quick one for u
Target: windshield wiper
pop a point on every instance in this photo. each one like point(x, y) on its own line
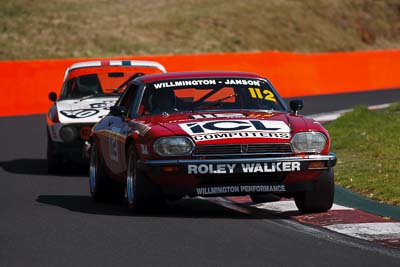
point(214, 103)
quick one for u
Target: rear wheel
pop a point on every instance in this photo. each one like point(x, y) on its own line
point(142, 194)
point(320, 199)
point(102, 188)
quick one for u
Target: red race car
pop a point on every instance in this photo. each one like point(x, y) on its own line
point(209, 134)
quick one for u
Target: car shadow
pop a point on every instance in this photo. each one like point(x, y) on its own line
point(39, 167)
point(185, 208)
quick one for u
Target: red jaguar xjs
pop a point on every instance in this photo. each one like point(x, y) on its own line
point(208, 134)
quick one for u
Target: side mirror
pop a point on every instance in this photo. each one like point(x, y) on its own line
point(296, 105)
point(52, 96)
point(117, 110)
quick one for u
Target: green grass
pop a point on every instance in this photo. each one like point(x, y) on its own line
point(367, 144)
point(31, 29)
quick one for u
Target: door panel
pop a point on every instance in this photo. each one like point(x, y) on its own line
point(116, 143)
point(102, 134)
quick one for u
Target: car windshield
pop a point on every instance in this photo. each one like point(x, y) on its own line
point(87, 82)
point(209, 94)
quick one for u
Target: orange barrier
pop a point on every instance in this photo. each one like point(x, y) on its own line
point(25, 85)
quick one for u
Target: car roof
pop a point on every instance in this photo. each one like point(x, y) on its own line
point(127, 63)
point(194, 74)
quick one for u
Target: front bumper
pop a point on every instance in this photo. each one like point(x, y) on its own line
point(215, 166)
point(236, 176)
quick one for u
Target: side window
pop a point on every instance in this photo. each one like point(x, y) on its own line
point(128, 98)
point(68, 88)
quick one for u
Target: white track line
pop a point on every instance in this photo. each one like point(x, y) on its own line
point(331, 116)
point(289, 205)
point(369, 231)
point(328, 116)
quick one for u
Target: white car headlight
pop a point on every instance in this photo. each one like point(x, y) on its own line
point(173, 146)
point(68, 133)
point(309, 142)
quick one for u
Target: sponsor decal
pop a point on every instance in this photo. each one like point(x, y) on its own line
point(79, 113)
point(286, 166)
point(216, 136)
point(266, 167)
point(216, 190)
point(106, 104)
point(210, 168)
point(218, 115)
point(262, 94)
point(93, 109)
point(183, 83)
point(263, 115)
point(230, 115)
point(213, 130)
point(197, 82)
point(113, 143)
point(243, 82)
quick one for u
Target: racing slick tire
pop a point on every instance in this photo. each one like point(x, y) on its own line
point(54, 161)
point(102, 187)
point(320, 199)
point(265, 198)
point(142, 194)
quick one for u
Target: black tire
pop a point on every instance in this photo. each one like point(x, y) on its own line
point(320, 199)
point(265, 198)
point(102, 188)
point(54, 161)
point(142, 194)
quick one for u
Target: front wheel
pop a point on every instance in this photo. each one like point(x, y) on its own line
point(142, 194)
point(102, 188)
point(320, 199)
point(54, 161)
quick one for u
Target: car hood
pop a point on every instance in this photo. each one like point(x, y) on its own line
point(234, 127)
point(89, 110)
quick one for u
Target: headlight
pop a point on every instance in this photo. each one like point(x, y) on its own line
point(68, 133)
point(309, 142)
point(173, 146)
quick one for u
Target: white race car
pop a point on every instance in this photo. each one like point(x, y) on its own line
point(88, 92)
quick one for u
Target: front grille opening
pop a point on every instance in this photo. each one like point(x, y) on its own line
point(243, 149)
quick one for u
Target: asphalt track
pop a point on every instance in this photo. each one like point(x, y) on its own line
point(50, 220)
